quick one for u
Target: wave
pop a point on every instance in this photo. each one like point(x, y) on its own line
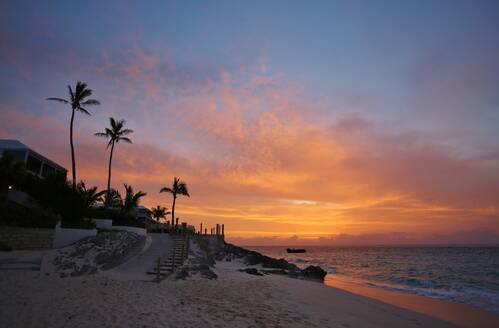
point(485, 300)
point(464, 274)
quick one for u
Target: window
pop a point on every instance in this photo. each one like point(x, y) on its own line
point(47, 170)
point(33, 164)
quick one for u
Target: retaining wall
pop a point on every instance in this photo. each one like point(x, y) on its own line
point(64, 237)
point(27, 238)
point(138, 231)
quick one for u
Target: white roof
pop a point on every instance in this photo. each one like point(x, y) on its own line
point(12, 144)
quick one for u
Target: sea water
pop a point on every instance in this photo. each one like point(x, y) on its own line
point(463, 274)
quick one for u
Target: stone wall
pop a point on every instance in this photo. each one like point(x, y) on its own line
point(27, 238)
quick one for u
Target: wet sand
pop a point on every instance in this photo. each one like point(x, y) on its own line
point(458, 313)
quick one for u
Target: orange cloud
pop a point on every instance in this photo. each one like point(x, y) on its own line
point(261, 158)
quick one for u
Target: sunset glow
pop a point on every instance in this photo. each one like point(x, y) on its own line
point(380, 137)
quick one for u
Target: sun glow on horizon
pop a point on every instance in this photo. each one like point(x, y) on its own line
point(276, 133)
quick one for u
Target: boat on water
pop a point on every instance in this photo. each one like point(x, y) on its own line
point(296, 250)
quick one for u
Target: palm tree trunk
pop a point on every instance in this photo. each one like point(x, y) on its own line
point(109, 175)
point(73, 161)
point(173, 210)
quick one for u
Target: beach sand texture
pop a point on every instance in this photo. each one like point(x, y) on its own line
point(235, 299)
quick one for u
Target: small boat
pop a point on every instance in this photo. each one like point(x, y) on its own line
point(296, 250)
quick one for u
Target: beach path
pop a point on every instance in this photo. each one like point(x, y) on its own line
point(157, 245)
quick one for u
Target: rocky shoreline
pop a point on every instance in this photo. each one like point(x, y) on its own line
point(271, 265)
point(204, 255)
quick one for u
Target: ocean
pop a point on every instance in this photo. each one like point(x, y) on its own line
point(462, 274)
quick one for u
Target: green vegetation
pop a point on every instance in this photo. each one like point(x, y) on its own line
point(159, 213)
point(77, 100)
point(4, 247)
point(131, 199)
point(178, 188)
point(12, 214)
point(45, 201)
point(115, 134)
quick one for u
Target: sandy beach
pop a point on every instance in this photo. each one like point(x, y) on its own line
point(235, 299)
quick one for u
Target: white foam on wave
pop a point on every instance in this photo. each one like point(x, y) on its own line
point(481, 299)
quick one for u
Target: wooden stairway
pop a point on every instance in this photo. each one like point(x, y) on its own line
point(167, 264)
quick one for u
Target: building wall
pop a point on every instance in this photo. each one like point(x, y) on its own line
point(27, 238)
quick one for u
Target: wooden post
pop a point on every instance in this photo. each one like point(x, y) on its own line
point(205, 231)
point(223, 230)
point(201, 228)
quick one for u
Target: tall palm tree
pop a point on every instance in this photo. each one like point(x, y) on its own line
point(78, 99)
point(178, 188)
point(115, 134)
point(90, 196)
point(132, 199)
point(159, 212)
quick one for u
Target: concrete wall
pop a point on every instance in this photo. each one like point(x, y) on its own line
point(103, 224)
point(138, 231)
point(64, 237)
point(27, 238)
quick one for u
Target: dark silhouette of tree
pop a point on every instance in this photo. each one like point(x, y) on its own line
point(131, 199)
point(113, 198)
point(159, 212)
point(78, 101)
point(114, 134)
point(12, 174)
point(178, 188)
point(90, 196)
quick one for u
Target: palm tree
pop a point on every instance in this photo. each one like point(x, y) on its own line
point(115, 134)
point(178, 188)
point(159, 212)
point(77, 99)
point(132, 199)
point(90, 196)
point(113, 198)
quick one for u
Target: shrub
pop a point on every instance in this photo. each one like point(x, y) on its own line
point(4, 247)
point(119, 217)
point(12, 214)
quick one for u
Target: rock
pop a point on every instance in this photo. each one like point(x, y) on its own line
point(272, 263)
point(252, 271)
point(313, 272)
point(280, 266)
point(209, 274)
point(254, 258)
point(93, 254)
point(182, 274)
point(276, 271)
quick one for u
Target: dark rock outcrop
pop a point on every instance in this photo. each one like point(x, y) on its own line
point(279, 266)
point(314, 272)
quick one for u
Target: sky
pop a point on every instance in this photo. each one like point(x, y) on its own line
point(292, 122)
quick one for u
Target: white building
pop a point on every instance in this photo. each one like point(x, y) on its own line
point(33, 161)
